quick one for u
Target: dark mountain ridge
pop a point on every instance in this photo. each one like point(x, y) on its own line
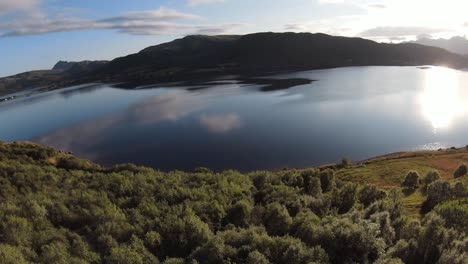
point(258, 53)
point(199, 57)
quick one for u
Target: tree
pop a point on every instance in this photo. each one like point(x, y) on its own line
point(277, 219)
point(11, 255)
point(239, 214)
point(256, 257)
point(369, 194)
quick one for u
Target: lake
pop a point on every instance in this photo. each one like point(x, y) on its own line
point(357, 112)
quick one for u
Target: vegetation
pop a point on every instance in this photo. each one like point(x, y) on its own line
point(55, 208)
point(461, 171)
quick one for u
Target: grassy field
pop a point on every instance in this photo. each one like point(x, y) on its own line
point(389, 170)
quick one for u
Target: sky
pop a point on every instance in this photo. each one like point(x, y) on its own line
point(35, 34)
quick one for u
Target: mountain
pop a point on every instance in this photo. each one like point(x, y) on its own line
point(456, 44)
point(201, 56)
point(61, 74)
point(198, 57)
point(80, 66)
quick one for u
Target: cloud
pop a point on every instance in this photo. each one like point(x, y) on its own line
point(7, 6)
point(202, 2)
point(220, 123)
point(399, 31)
point(378, 6)
point(150, 22)
point(327, 2)
point(161, 14)
point(327, 26)
point(466, 24)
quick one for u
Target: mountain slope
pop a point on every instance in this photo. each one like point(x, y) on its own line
point(456, 44)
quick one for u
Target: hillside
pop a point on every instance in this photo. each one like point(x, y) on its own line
point(56, 208)
point(455, 44)
point(200, 57)
point(62, 74)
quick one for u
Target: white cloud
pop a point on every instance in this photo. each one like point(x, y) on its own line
point(400, 31)
point(7, 6)
point(202, 2)
point(150, 22)
point(378, 6)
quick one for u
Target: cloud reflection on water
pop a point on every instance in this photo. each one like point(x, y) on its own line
point(220, 123)
point(171, 106)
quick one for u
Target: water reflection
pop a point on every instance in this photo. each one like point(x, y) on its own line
point(356, 112)
point(220, 123)
point(441, 100)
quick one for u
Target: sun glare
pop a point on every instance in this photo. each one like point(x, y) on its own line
point(441, 100)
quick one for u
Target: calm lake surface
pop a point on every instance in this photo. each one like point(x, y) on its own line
point(358, 112)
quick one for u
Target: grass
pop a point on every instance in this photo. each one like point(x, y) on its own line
point(389, 171)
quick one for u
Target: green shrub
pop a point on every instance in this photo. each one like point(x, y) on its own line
point(460, 171)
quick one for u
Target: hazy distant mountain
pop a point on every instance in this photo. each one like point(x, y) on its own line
point(197, 57)
point(456, 44)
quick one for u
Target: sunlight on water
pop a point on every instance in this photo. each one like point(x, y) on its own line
point(441, 100)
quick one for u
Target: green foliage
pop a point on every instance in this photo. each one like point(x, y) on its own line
point(430, 177)
point(343, 199)
point(369, 194)
point(455, 214)
point(55, 208)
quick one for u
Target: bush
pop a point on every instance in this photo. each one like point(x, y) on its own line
point(430, 177)
point(460, 171)
point(411, 180)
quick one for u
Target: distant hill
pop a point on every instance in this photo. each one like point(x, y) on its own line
point(198, 57)
point(456, 44)
point(62, 73)
point(78, 66)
